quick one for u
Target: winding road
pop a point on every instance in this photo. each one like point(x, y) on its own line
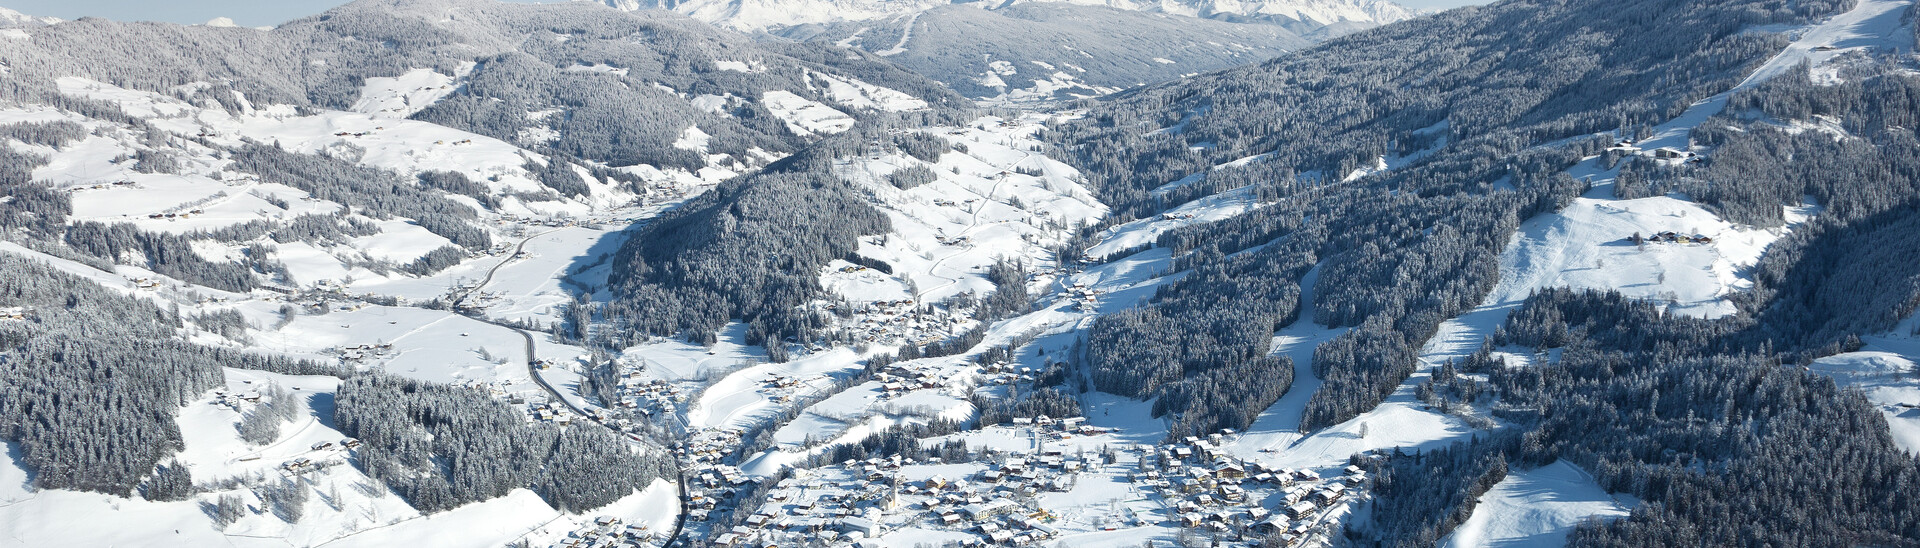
point(533, 372)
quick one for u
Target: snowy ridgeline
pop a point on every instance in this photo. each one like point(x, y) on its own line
point(761, 16)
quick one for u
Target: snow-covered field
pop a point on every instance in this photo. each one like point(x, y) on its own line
point(1144, 232)
point(1402, 420)
point(1886, 372)
point(805, 116)
point(1586, 246)
point(346, 507)
point(996, 200)
point(1537, 508)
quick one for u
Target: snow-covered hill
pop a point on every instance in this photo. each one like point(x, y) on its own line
point(401, 209)
point(1048, 49)
point(1044, 51)
point(766, 14)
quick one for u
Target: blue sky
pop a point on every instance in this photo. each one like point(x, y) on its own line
point(255, 13)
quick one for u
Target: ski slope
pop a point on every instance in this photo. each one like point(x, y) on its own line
point(1204, 210)
point(1537, 508)
point(1886, 373)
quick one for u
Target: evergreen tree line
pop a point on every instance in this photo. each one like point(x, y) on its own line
point(1538, 71)
point(1708, 421)
point(91, 381)
point(367, 191)
point(440, 446)
point(751, 249)
point(1419, 497)
point(1400, 251)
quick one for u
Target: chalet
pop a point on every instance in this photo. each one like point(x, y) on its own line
point(995, 507)
point(1328, 495)
point(865, 527)
point(1300, 510)
point(322, 446)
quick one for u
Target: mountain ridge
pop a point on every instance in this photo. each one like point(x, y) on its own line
point(754, 15)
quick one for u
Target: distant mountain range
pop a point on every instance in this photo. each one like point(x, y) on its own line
point(1301, 16)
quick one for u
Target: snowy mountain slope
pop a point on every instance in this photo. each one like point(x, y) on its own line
point(1049, 50)
point(996, 200)
point(329, 201)
point(1582, 245)
point(497, 52)
point(1536, 507)
point(413, 121)
point(347, 506)
point(958, 211)
point(765, 14)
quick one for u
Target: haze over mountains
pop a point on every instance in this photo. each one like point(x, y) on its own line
point(460, 272)
point(765, 14)
point(1048, 50)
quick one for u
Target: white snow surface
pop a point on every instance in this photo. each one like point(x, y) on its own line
point(979, 209)
point(1146, 231)
point(1536, 508)
point(405, 95)
point(854, 93)
point(751, 15)
point(1886, 371)
point(805, 116)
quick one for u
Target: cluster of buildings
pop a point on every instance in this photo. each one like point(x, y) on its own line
point(360, 353)
point(650, 396)
point(328, 452)
point(950, 203)
point(172, 216)
point(1671, 237)
point(550, 412)
point(1027, 497)
point(609, 532)
point(14, 313)
point(710, 482)
point(1668, 154)
point(1086, 299)
point(705, 449)
point(901, 321)
point(235, 400)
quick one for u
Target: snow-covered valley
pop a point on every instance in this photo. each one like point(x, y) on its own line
point(937, 387)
